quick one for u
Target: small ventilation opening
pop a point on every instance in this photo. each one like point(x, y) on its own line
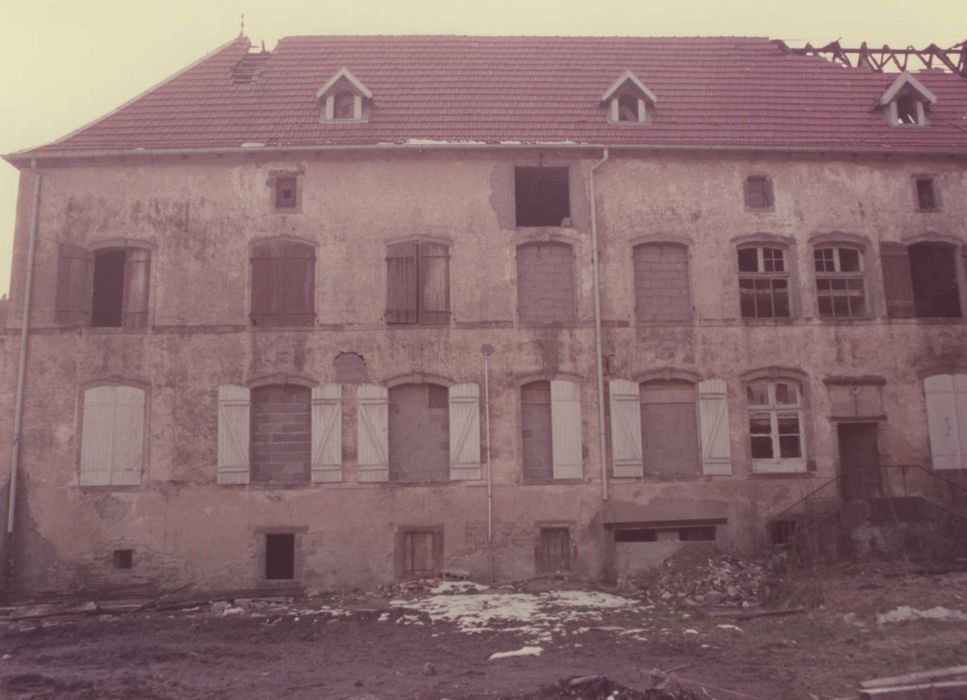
point(280, 557)
point(108, 288)
point(541, 196)
point(926, 198)
point(285, 192)
point(123, 558)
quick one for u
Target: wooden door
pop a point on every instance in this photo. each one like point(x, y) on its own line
point(859, 460)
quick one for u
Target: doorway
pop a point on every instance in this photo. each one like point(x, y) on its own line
point(859, 461)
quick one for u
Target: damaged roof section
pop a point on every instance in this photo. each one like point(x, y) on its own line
point(719, 92)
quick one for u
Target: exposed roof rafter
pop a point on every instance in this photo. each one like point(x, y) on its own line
point(888, 58)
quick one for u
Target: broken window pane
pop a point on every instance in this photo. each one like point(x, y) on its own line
point(775, 434)
point(541, 196)
point(840, 286)
point(906, 110)
point(763, 283)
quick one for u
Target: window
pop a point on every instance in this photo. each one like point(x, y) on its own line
point(280, 556)
point(922, 280)
point(108, 288)
point(908, 111)
point(286, 192)
point(419, 433)
point(418, 283)
point(775, 426)
point(661, 282)
point(904, 101)
point(669, 428)
point(542, 196)
point(280, 434)
point(551, 445)
point(112, 436)
point(758, 192)
point(283, 284)
point(628, 100)
point(344, 98)
point(840, 286)
point(946, 399)
point(763, 282)
point(926, 193)
point(123, 558)
point(343, 105)
point(545, 283)
point(554, 550)
point(628, 109)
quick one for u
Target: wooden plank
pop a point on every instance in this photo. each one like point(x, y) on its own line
point(949, 690)
point(914, 678)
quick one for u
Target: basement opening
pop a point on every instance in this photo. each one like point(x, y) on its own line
point(108, 301)
point(554, 550)
point(123, 558)
point(541, 196)
point(280, 556)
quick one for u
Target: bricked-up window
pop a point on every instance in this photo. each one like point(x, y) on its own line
point(763, 282)
point(286, 189)
point(280, 434)
point(418, 283)
point(108, 288)
point(775, 425)
point(545, 283)
point(553, 554)
point(758, 192)
point(840, 285)
point(669, 428)
point(535, 418)
point(541, 196)
point(280, 556)
point(419, 433)
point(283, 284)
point(661, 282)
point(925, 189)
point(921, 280)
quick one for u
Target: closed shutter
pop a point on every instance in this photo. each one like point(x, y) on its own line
point(97, 436)
point(233, 434)
point(267, 266)
point(373, 438)
point(137, 269)
point(897, 280)
point(74, 285)
point(434, 283)
point(298, 284)
point(566, 429)
point(327, 433)
point(946, 397)
point(401, 283)
point(713, 411)
point(128, 448)
point(464, 432)
point(625, 428)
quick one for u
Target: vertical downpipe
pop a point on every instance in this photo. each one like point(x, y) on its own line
point(487, 350)
point(598, 356)
point(21, 373)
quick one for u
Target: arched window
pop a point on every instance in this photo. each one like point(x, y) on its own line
point(112, 436)
point(545, 283)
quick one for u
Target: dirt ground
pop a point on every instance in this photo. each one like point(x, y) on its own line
point(412, 644)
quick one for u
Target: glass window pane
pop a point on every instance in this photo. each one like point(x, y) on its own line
point(789, 447)
point(748, 260)
point(760, 424)
point(788, 423)
point(761, 447)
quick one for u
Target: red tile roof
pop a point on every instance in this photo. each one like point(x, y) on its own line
point(712, 92)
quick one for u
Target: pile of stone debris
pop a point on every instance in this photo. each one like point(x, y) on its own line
point(707, 577)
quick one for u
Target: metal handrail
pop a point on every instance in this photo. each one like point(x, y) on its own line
point(805, 498)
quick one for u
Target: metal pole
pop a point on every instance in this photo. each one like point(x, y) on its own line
point(487, 350)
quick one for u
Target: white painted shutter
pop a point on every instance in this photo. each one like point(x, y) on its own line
point(373, 429)
point(625, 428)
point(327, 433)
point(97, 436)
point(128, 449)
point(233, 434)
point(713, 420)
point(566, 429)
point(464, 432)
point(943, 402)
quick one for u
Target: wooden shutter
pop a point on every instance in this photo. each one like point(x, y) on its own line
point(137, 269)
point(267, 270)
point(327, 433)
point(97, 436)
point(434, 283)
point(946, 397)
point(373, 428)
point(625, 428)
point(233, 434)
point(566, 429)
point(401, 283)
point(897, 280)
point(74, 285)
point(128, 448)
point(713, 412)
point(464, 432)
point(298, 284)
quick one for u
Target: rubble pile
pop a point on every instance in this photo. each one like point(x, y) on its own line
point(709, 578)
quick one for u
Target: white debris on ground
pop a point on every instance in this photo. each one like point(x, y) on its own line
point(523, 651)
point(905, 613)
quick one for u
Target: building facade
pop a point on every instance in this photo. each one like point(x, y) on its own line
point(275, 347)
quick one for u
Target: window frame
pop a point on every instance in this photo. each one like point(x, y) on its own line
point(145, 389)
point(837, 274)
point(777, 464)
point(787, 275)
point(423, 315)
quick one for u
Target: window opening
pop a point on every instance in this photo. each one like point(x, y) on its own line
point(541, 196)
point(285, 192)
point(704, 533)
point(344, 105)
point(840, 286)
point(907, 111)
point(123, 558)
point(926, 196)
point(763, 282)
point(280, 556)
point(775, 421)
point(537, 454)
point(628, 108)
point(108, 288)
point(933, 269)
point(641, 534)
point(554, 550)
point(758, 192)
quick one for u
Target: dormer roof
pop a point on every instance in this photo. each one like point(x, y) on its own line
point(629, 77)
point(354, 82)
point(906, 82)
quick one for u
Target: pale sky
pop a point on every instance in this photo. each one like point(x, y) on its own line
point(64, 63)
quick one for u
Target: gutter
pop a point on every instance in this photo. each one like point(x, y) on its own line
point(21, 375)
point(598, 358)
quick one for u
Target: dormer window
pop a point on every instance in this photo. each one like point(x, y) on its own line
point(344, 98)
point(628, 100)
point(905, 102)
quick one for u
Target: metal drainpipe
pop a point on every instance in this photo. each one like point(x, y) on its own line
point(21, 373)
point(598, 357)
point(487, 350)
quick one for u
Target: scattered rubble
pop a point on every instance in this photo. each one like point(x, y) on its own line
point(904, 613)
point(602, 688)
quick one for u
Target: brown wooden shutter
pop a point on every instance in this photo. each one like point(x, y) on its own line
point(401, 283)
point(298, 284)
point(434, 274)
point(137, 268)
point(74, 290)
point(897, 280)
point(267, 284)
